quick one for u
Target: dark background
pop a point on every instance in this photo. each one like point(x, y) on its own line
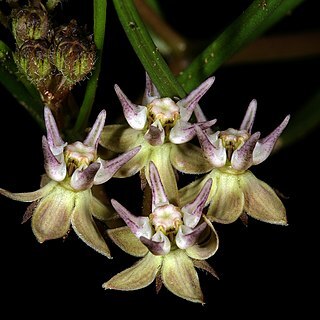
point(264, 269)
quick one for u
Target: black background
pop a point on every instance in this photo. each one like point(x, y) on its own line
point(264, 269)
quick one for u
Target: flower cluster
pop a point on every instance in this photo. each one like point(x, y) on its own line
point(174, 234)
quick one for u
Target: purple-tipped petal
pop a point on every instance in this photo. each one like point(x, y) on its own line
point(264, 146)
point(55, 169)
point(159, 245)
point(159, 196)
point(140, 226)
point(248, 119)
point(93, 136)
point(54, 139)
point(150, 92)
point(187, 237)
point(192, 212)
point(83, 179)
point(216, 155)
point(242, 158)
point(110, 167)
point(136, 115)
point(189, 103)
point(155, 135)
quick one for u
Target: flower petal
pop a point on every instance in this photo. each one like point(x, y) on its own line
point(188, 158)
point(242, 158)
point(135, 115)
point(54, 139)
point(192, 212)
point(84, 179)
point(204, 265)
point(155, 134)
point(110, 167)
point(216, 155)
point(127, 241)
point(159, 196)
point(139, 276)
point(93, 136)
point(207, 245)
point(51, 217)
point(264, 146)
point(180, 277)
point(102, 211)
point(159, 244)
point(187, 237)
point(120, 138)
point(84, 225)
point(29, 196)
point(248, 119)
point(150, 92)
point(227, 203)
point(188, 104)
point(55, 169)
point(261, 202)
point(140, 226)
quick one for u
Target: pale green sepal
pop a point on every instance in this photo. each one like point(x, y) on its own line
point(127, 241)
point(139, 276)
point(180, 277)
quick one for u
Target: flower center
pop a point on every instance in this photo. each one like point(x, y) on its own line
point(79, 156)
point(233, 139)
point(165, 110)
point(166, 219)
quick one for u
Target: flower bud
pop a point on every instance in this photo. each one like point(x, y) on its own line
point(33, 59)
point(74, 53)
point(30, 23)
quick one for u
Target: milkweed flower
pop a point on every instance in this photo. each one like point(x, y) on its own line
point(171, 240)
point(161, 126)
point(235, 190)
point(65, 197)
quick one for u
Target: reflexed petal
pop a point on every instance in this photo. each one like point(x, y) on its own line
point(159, 245)
point(248, 119)
point(155, 135)
point(56, 170)
point(93, 136)
point(216, 155)
point(29, 196)
point(54, 139)
point(242, 158)
point(120, 138)
point(187, 237)
point(136, 115)
point(83, 179)
point(192, 212)
point(150, 92)
point(207, 244)
point(110, 167)
point(51, 218)
point(84, 225)
point(127, 241)
point(188, 158)
point(140, 226)
point(135, 164)
point(227, 203)
point(188, 104)
point(159, 196)
point(139, 276)
point(101, 211)
point(180, 277)
point(261, 202)
point(264, 146)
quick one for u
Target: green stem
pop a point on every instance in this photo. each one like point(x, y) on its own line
point(254, 21)
point(99, 16)
point(145, 49)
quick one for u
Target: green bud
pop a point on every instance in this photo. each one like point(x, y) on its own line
point(74, 53)
point(33, 59)
point(30, 23)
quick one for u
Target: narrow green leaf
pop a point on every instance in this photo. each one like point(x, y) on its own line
point(254, 21)
point(99, 16)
